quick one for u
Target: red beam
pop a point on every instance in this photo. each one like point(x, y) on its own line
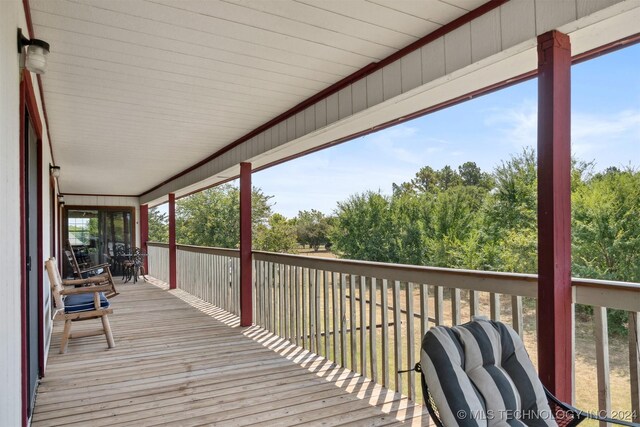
point(246, 300)
point(554, 213)
point(172, 242)
point(144, 233)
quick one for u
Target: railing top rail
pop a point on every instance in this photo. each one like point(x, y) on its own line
point(607, 284)
point(489, 281)
point(210, 250)
point(607, 293)
point(158, 244)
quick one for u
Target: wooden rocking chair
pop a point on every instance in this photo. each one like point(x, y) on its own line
point(94, 271)
point(85, 302)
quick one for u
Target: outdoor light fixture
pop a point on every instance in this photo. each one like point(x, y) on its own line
point(54, 171)
point(37, 50)
point(61, 199)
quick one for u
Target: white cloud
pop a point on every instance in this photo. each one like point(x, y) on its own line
point(592, 133)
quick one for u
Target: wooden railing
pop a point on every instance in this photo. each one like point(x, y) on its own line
point(158, 260)
point(211, 274)
point(370, 317)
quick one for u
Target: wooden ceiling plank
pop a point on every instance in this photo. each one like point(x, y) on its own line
point(184, 90)
point(185, 40)
point(376, 15)
point(185, 100)
point(158, 19)
point(331, 20)
point(431, 10)
point(255, 19)
point(266, 96)
point(98, 47)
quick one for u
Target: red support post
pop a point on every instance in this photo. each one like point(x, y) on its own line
point(144, 234)
point(172, 242)
point(554, 214)
point(246, 300)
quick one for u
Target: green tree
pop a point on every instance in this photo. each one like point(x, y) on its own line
point(472, 175)
point(212, 217)
point(278, 235)
point(606, 226)
point(158, 226)
point(312, 228)
point(363, 228)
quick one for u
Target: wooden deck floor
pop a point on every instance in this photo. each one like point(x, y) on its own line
point(180, 361)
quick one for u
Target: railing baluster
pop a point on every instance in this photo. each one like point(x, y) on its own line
point(455, 306)
point(494, 306)
point(281, 298)
point(439, 312)
point(343, 319)
point(634, 365)
point(312, 311)
point(318, 318)
point(305, 291)
point(602, 361)
point(373, 336)
point(397, 336)
point(516, 314)
point(384, 301)
point(298, 313)
point(325, 297)
point(410, 340)
point(353, 324)
point(424, 309)
point(336, 314)
point(289, 302)
point(363, 325)
point(474, 304)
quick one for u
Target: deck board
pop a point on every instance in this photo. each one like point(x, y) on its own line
point(181, 361)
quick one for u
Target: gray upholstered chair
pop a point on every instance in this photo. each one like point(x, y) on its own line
point(479, 374)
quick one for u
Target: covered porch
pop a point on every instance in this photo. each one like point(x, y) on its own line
point(183, 96)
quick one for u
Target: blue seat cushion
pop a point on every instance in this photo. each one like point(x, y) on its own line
point(83, 302)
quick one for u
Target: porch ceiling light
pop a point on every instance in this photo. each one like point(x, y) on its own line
point(36, 56)
point(54, 171)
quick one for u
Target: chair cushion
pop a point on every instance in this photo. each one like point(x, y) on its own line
point(83, 302)
point(493, 359)
point(455, 395)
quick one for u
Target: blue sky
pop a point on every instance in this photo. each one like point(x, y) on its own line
point(486, 130)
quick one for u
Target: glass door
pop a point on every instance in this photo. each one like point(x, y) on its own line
point(98, 234)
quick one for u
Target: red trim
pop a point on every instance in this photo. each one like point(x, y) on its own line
point(336, 87)
point(144, 232)
point(607, 48)
point(28, 103)
point(173, 284)
point(554, 213)
point(246, 304)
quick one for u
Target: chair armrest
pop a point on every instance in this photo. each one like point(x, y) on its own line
point(88, 281)
point(583, 414)
point(86, 290)
point(95, 267)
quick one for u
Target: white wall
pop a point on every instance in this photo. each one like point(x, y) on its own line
point(71, 200)
point(11, 17)
point(10, 402)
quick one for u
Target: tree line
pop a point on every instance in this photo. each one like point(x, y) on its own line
point(458, 218)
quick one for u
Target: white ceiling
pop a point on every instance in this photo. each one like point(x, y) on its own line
point(137, 91)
